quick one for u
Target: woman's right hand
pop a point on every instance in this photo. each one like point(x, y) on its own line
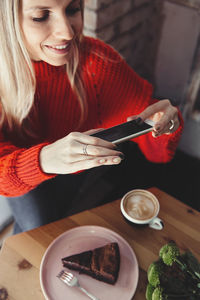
point(78, 151)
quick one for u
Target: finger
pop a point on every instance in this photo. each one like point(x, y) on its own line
point(165, 116)
point(91, 140)
point(160, 106)
point(76, 158)
point(76, 150)
point(164, 125)
point(132, 118)
point(95, 162)
point(150, 111)
point(92, 131)
point(164, 122)
point(168, 129)
point(173, 126)
point(92, 150)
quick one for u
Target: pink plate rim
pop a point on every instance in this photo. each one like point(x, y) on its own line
point(99, 232)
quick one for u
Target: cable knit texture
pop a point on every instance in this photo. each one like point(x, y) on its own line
point(114, 92)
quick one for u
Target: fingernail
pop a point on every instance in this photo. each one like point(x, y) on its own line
point(102, 161)
point(139, 121)
point(116, 160)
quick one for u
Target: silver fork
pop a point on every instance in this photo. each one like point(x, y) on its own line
point(72, 280)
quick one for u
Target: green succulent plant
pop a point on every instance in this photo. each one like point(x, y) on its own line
point(154, 272)
point(169, 253)
point(173, 275)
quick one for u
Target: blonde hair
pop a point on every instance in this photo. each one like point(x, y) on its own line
point(17, 76)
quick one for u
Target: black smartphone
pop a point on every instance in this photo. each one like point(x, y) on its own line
point(125, 131)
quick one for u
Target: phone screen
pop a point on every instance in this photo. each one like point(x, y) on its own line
point(124, 131)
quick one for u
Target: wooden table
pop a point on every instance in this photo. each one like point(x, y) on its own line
point(21, 254)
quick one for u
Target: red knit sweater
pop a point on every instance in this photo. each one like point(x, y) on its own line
point(114, 92)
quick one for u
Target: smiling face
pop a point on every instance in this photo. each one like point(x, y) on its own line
point(50, 27)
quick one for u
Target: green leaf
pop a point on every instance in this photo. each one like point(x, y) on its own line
point(149, 291)
point(154, 272)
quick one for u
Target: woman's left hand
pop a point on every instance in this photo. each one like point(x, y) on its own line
point(164, 115)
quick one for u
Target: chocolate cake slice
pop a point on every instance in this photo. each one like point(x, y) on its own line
point(100, 263)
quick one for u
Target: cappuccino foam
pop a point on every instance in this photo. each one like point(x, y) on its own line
point(140, 207)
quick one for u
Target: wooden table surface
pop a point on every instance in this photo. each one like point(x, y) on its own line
point(21, 254)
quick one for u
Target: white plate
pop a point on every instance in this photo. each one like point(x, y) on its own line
point(81, 239)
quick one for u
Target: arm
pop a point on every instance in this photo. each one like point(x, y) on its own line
point(20, 169)
point(23, 169)
point(123, 94)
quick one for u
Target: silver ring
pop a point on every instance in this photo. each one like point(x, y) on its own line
point(171, 125)
point(85, 150)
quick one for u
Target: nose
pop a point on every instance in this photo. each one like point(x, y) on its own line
point(63, 29)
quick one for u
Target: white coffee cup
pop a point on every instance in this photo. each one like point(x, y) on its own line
point(141, 207)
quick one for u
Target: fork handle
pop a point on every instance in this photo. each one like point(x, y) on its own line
point(88, 294)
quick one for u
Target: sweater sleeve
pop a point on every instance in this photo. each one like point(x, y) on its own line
point(20, 170)
point(122, 94)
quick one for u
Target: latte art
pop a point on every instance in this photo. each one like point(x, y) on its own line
point(140, 207)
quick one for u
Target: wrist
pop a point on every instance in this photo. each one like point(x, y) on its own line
point(43, 160)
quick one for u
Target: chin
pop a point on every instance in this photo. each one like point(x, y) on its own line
point(55, 62)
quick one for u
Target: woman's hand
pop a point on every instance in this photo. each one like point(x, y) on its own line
point(164, 115)
point(78, 151)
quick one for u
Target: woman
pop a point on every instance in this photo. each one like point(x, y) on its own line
point(55, 85)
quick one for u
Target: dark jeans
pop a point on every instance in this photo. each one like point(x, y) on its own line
point(65, 195)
